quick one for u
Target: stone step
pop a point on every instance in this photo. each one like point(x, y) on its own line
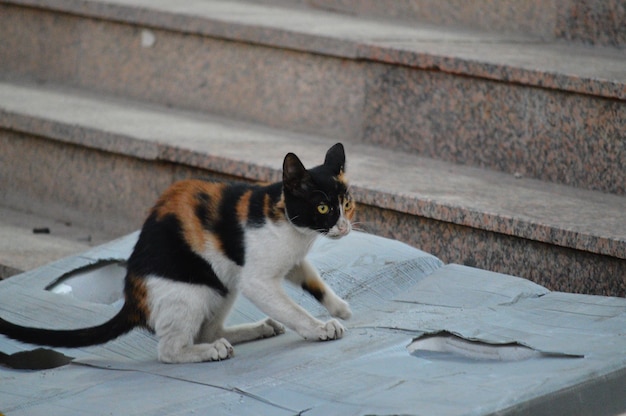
point(505, 102)
point(582, 21)
point(28, 241)
point(104, 160)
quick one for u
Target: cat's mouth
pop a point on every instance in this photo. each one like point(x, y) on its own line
point(336, 233)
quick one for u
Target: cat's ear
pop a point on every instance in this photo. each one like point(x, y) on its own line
point(336, 159)
point(295, 175)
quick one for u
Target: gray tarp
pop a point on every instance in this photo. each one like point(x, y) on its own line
point(569, 351)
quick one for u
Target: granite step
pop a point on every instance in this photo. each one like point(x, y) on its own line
point(104, 160)
point(507, 102)
point(580, 21)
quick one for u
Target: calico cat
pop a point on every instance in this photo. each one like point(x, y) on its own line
point(204, 242)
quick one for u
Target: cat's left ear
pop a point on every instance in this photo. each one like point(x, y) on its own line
point(336, 159)
point(295, 176)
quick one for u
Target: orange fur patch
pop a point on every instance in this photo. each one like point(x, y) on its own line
point(137, 291)
point(315, 287)
point(342, 178)
point(267, 206)
point(278, 210)
point(243, 206)
point(181, 200)
point(350, 213)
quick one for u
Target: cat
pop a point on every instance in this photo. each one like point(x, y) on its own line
point(203, 242)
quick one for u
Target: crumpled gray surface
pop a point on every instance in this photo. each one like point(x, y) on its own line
point(398, 294)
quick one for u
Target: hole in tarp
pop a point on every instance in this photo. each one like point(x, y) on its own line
point(446, 346)
point(38, 359)
point(102, 282)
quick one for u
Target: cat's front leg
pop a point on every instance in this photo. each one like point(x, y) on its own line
point(213, 326)
point(250, 332)
point(306, 276)
point(269, 296)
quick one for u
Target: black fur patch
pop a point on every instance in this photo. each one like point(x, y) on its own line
point(227, 227)
point(162, 251)
point(317, 293)
point(202, 210)
point(256, 214)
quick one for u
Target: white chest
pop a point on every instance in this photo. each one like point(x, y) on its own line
point(271, 250)
point(277, 247)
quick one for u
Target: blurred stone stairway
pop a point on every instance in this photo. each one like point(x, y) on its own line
point(492, 136)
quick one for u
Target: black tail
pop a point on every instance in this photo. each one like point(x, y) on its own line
point(120, 324)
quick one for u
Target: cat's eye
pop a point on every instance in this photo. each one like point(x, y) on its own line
point(323, 208)
point(347, 205)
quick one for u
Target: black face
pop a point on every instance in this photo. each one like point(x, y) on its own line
point(314, 198)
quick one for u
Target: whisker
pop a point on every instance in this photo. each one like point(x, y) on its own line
point(361, 226)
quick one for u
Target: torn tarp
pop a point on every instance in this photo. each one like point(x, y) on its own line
point(397, 294)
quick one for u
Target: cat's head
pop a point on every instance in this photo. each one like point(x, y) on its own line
point(318, 199)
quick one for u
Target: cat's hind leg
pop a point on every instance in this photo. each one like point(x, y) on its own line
point(177, 312)
point(178, 350)
point(177, 335)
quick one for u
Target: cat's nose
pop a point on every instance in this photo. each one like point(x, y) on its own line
point(344, 227)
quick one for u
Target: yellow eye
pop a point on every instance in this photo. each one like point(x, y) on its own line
point(347, 205)
point(323, 208)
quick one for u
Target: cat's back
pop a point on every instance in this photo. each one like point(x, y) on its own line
point(217, 214)
point(185, 199)
point(197, 208)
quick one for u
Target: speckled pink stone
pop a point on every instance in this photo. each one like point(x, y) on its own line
point(502, 104)
point(587, 21)
point(535, 109)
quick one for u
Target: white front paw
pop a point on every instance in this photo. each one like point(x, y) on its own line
point(339, 308)
point(328, 331)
